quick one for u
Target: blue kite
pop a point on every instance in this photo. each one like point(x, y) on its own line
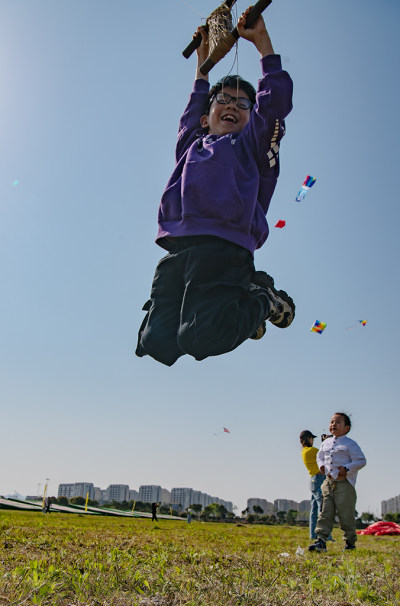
point(308, 183)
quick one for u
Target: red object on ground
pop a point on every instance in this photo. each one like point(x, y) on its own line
point(381, 528)
point(281, 223)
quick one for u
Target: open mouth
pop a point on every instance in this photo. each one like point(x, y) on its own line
point(229, 118)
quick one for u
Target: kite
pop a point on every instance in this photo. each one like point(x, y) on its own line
point(15, 183)
point(362, 322)
point(381, 528)
point(308, 183)
point(281, 223)
point(318, 327)
point(224, 430)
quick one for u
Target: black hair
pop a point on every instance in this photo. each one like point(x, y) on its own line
point(231, 82)
point(346, 418)
point(306, 441)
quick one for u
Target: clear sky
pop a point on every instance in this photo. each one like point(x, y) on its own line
point(91, 95)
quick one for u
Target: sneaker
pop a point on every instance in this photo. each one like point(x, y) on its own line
point(282, 307)
point(349, 545)
point(318, 545)
point(260, 332)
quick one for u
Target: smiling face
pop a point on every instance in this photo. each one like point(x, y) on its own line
point(337, 426)
point(224, 119)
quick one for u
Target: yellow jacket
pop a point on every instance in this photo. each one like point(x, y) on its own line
point(309, 454)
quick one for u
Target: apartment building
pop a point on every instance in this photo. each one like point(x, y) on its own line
point(285, 505)
point(266, 506)
point(181, 498)
point(390, 505)
point(117, 492)
point(66, 490)
point(150, 493)
point(78, 489)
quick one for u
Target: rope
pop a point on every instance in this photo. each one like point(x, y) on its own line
point(236, 57)
point(220, 26)
point(193, 9)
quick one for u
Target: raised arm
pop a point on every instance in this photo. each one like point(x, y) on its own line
point(202, 51)
point(257, 34)
point(189, 125)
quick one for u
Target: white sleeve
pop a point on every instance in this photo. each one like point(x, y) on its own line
point(320, 457)
point(358, 459)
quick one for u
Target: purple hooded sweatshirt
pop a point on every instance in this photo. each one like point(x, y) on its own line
point(222, 185)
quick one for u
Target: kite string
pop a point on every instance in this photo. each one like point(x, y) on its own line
point(236, 57)
point(193, 9)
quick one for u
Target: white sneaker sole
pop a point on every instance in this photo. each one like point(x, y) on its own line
point(284, 307)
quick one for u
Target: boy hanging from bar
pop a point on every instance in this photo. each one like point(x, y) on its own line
point(206, 297)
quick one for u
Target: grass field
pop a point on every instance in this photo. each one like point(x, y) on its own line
point(67, 560)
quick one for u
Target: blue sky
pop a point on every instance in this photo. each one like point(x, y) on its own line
point(92, 91)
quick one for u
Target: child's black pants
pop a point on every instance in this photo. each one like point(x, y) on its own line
point(202, 302)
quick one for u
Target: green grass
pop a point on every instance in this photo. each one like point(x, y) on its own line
point(70, 560)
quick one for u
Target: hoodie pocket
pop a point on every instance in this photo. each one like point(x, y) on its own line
point(209, 190)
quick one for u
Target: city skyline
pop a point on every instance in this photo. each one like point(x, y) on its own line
point(163, 495)
point(147, 493)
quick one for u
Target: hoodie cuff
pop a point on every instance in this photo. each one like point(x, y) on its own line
point(201, 86)
point(271, 63)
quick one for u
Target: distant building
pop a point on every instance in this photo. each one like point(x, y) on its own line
point(150, 493)
point(266, 506)
point(66, 490)
point(180, 497)
point(198, 497)
point(98, 494)
point(390, 505)
point(285, 505)
point(79, 489)
point(117, 492)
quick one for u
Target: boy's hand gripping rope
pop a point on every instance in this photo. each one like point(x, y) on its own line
point(226, 36)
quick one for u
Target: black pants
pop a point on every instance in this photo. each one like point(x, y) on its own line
point(202, 302)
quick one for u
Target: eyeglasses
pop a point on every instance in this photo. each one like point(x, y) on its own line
point(242, 102)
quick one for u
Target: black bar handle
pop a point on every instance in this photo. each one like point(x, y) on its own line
point(195, 43)
point(256, 11)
